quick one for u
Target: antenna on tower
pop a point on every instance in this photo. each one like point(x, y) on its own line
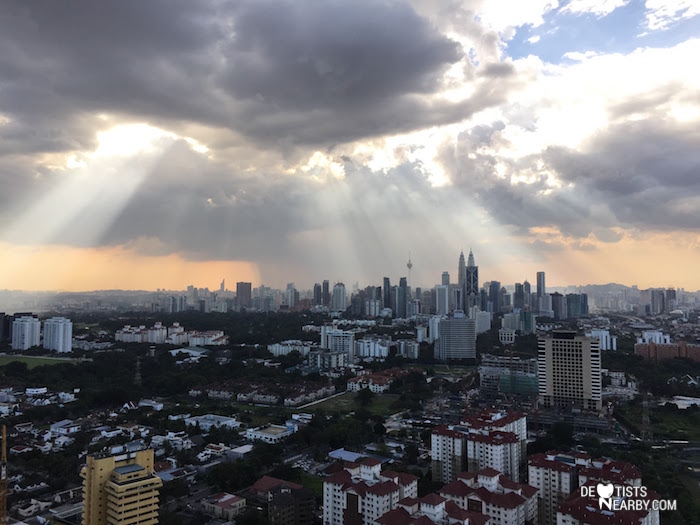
point(409, 265)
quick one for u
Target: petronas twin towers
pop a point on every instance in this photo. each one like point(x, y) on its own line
point(468, 279)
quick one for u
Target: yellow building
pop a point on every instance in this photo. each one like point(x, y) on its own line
point(119, 487)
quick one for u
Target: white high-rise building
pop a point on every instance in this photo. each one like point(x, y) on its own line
point(457, 338)
point(338, 299)
point(26, 333)
point(555, 481)
point(569, 371)
point(447, 453)
point(607, 341)
point(442, 299)
point(362, 493)
point(58, 334)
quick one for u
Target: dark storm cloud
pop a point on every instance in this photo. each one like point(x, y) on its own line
point(640, 174)
point(276, 70)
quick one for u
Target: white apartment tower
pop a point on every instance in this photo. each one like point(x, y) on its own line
point(58, 334)
point(569, 371)
point(26, 333)
point(447, 452)
point(457, 338)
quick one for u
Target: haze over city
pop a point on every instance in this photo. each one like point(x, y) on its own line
point(155, 144)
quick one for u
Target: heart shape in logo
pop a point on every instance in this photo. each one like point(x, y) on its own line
point(605, 490)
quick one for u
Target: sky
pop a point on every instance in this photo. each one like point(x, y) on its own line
point(158, 144)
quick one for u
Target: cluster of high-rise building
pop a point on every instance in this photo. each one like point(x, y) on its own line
point(23, 330)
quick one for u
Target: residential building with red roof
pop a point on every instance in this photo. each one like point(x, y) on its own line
point(580, 510)
point(558, 475)
point(491, 493)
point(361, 493)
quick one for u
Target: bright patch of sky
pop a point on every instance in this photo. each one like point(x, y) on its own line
point(588, 26)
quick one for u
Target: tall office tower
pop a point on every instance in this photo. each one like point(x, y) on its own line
point(387, 293)
point(244, 294)
point(58, 334)
point(658, 299)
point(471, 284)
point(3, 331)
point(519, 296)
point(318, 294)
point(671, 301)
point(445, 278)
point(527, 301)
point(483, 300)
point(456, 338)
point(457, 298)
point(401, 298)
point(338, 300)
point(576, 304)
point(569, 371)
point(26, 332)
point(442, 299)
point(326, 293)
point(541, 290)
point(559, 306)
point(291, 295)
point(461, 271)
point(495, 296)
point(222, 288)
point(120, 488)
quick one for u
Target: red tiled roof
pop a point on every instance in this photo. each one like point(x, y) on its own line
point(466, 475)
point(508, 500)
point(339, 478)
point(442, 430)
point(409, 502)
point(267, 483)
point(382, 489)
point(398, 516)
point(432, 499)
point(370, 462)
point(456, 488)
point(475, 518)
point(541, 461)
point(406, 479)
point(489, 472)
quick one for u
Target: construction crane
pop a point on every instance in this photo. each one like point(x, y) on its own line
point(3, 479)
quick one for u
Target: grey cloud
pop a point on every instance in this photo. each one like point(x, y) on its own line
point(278, 71)
point(634, 174)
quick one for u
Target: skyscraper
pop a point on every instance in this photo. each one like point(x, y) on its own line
point(445, 278)
point(541, 290)
point(495, 296)
point(456, 338)
point(519, 296)
point(26, 332)
point(442, 299)
point(326, 293)
point(401, 298)
point(387, 293)
point(461, 271)
point(222, 288)
point(569, 371)
point(338, 300)
point(318, 294)
point(120, 488)
point(244, 294)
point(471, 283)
point(58, 334)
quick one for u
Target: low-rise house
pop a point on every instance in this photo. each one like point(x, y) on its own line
point(223, 505)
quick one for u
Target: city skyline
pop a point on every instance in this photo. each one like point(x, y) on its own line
point(286, 141)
